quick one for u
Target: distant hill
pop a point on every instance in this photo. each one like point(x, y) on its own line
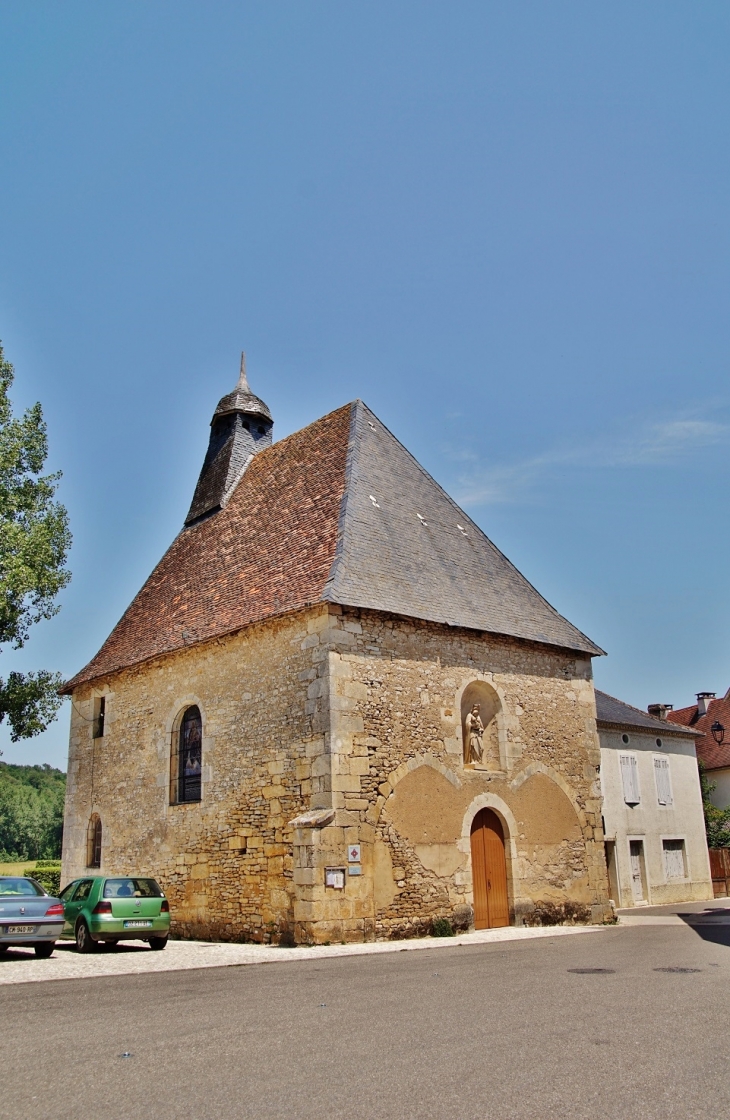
point(31, 812)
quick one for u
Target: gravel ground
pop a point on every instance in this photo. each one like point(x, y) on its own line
point(19, 966)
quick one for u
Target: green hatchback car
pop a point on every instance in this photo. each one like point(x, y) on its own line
point(114, 908)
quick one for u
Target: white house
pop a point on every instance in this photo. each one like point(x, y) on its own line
point(656, 850)
point(709, 719)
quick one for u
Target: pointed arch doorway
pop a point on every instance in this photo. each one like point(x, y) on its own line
point(489, 871)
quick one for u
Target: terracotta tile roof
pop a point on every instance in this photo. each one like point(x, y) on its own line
point(339, 512)
point(270, 550)
point(712, 755)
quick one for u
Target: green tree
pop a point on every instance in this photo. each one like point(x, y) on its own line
point(31, 812)
point(717, 821)
point(34, 543)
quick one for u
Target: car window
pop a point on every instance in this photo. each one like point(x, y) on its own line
point(131, 888)
point(20, 888)
point(83, 890)
point(68, 891)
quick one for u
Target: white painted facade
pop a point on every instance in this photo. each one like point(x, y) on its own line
point(656, 849)
point(720, 778)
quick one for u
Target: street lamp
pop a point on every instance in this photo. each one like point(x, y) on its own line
point(718, 732)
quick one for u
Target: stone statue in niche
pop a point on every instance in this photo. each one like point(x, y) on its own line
point(473, 738)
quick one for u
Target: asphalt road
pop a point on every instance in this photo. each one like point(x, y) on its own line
point(495, 1031)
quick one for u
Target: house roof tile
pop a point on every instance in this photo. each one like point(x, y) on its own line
point(712, 755)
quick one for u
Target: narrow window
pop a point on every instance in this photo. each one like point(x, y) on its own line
point(99, 714)
point(630, 778)
point(93, 841)
point(663, 784)
point(674, 860)
point(187, 758)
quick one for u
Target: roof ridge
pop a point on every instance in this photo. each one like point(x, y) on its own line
point(352, 454)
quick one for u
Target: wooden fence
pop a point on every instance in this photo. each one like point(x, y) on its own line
point(720, 871)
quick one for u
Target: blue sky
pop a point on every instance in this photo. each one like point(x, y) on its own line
point(504, 226)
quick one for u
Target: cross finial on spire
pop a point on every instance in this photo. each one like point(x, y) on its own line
point(242, 379)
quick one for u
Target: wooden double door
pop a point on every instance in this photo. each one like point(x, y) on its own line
point(489, 871)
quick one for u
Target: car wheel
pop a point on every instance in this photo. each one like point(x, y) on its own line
point(158, 942)
point(4, 949)
point(44, 949)
point(84, 941)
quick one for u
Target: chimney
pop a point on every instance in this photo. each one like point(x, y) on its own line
point(659, 711)
point(703, 702)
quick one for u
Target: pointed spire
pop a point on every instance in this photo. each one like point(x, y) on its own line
point(242, 379)
point(242, 399)
point(240, 428)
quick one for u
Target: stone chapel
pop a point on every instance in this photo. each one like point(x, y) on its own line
point(335, 711)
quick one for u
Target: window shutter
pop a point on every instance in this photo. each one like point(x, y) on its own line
point(635, 779)
point(674, 859)
point(630, 778)
point(663, 784)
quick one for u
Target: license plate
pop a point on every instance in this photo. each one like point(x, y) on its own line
point(134, 924)
point(16, 930)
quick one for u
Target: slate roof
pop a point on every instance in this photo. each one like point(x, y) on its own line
point(330, 514)
point(714, 756)
point(242, 400)
point(611, 712)
point(437, 566)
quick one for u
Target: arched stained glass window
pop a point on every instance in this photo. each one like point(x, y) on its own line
point(187, 758)
point(93, 841)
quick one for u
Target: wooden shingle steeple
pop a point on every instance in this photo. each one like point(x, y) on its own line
point(241, 426)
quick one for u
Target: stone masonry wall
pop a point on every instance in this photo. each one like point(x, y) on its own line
point(331, 728)
point(400, 787)
point(225, 862)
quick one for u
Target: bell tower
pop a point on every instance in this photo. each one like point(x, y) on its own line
point(241, 426)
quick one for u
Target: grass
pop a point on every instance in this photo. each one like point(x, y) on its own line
point(16, 868)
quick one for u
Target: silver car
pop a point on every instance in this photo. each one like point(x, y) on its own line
point(28, 916)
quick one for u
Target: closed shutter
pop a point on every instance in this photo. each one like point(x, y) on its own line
point(674, 859)
point(663, 784)
point(630, 778)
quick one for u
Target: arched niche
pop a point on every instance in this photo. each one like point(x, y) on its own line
point(481, 693)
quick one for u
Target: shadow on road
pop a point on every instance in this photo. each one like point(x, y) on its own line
point(712, 924)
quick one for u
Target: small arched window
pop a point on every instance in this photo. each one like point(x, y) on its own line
point(187, 758)
point(93, 841)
